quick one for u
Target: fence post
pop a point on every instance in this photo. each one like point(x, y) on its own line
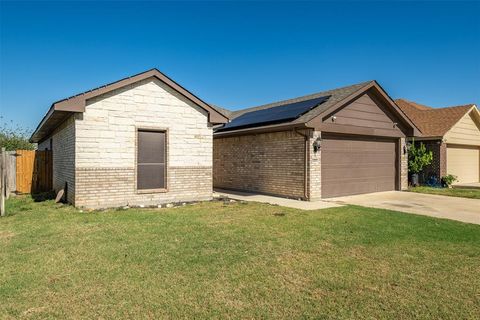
point(3, 180)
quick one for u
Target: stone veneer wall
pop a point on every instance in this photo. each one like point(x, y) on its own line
point(106, 147)
point(403, 165)
point(315, 168)
point(63, 154)
point(270, 163)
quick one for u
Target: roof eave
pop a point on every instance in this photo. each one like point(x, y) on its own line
point(262, 129)
point(77, 103)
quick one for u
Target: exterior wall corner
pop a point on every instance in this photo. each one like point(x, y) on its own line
point(315, 167)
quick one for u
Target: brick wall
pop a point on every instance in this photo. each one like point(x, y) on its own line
point(106, 146)
point(63, 154)
point(115, 187)
point(271, 163)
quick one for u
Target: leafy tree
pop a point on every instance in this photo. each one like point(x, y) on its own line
point(14, 137)
point(418, 158)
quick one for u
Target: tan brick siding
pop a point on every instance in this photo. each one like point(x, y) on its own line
point(63, 153)
point(106, 133)
point(114, 187)
point(44, 145)
point(271, 163)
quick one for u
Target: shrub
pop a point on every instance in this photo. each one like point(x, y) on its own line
point(14, 137)
point(418, 158)
point(448, 180)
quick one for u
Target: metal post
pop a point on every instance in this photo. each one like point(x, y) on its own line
point(3, 180)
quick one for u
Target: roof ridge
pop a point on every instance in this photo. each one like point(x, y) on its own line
point(106, 85)
point(418, 106)
point(434, 122)
point(428, 108)
point(453, 107)
point(296, 99)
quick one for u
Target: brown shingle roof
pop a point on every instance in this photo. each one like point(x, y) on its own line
point(336, 95)
point(432, 122)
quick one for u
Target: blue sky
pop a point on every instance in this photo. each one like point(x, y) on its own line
point(238, 54)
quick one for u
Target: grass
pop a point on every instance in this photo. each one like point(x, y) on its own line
point(451, 192)
point(238, 260)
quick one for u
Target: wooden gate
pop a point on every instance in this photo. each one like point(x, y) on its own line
point(34, 171)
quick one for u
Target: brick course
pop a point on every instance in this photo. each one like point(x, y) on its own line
point(114, 187)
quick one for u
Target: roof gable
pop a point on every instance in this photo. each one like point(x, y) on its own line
point(433, 122)
point(337, 98)
point(466, 130)
point(62, 109)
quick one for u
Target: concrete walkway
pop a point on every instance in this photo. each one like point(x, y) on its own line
point(284, 202)
point(454, 208)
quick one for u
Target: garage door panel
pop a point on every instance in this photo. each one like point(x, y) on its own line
point(353, 165)
point(464, 162)
point(338, 173)
point(366, 158)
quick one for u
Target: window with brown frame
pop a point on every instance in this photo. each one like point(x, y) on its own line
point(151, 154)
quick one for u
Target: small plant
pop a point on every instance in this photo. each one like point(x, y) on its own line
point(448, 180)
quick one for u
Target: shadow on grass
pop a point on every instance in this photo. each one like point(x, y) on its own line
point(43, 196)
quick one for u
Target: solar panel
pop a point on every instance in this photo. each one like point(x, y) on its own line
point(273, 115)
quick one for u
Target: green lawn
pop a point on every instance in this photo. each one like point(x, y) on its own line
point(451, 192)
point(238, 260)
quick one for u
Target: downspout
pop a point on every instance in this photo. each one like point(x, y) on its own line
point(305, 168)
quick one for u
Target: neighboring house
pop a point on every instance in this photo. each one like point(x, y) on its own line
point(339, 142)
point(452, 134)
point(143, 140)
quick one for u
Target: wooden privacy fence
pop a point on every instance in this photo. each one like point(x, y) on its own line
point(33, 171)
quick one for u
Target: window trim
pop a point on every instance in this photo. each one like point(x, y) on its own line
point(166, 169)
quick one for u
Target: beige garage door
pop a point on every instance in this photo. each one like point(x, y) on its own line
point(464, 162)
point(354, 165)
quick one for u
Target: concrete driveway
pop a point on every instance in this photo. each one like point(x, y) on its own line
point(460, 209)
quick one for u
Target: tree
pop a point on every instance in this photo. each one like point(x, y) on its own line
point(14, 137)
point(418, 158)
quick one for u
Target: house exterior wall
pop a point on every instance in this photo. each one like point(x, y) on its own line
point(270, 163)
point(63, 156)
point(273, 163)
point(105, 164)
point(465, 132)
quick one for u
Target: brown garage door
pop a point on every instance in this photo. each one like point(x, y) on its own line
point(355, 165)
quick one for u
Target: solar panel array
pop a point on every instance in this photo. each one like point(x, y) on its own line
point(273, 115)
